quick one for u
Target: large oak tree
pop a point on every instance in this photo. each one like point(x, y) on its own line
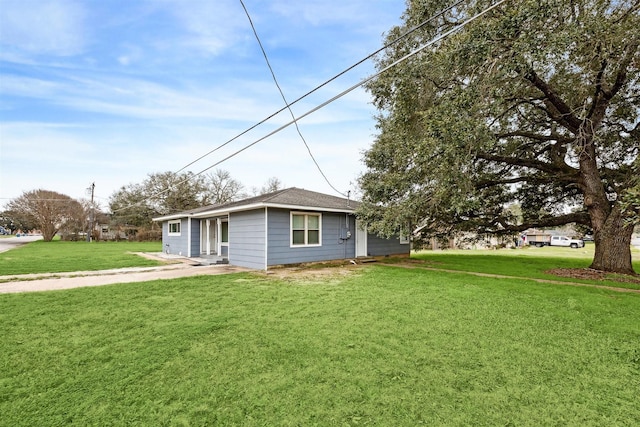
point(535, 103)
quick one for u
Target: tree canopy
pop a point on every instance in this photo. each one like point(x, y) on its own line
point(271, 184)
point(535, 103)
point(166, 192)
point(48, 211)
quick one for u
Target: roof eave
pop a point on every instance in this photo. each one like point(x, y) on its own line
point(261, 205)
point(171, 217)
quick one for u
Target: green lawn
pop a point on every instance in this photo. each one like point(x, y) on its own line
point(529, 262)
point(58, 256)
point(383, 346)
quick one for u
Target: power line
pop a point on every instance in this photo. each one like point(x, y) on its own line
point(362, 82)
point(320, 86)
point(334, 98)
point(288, 106)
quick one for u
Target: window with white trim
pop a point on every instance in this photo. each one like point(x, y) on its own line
point(306, 229)
point(405, 235)
point(224, 232)
point(174, 227)
point(405, 239)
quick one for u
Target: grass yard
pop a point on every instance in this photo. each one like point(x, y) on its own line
point(529, 262)
point(58, 256)
point(381, 346)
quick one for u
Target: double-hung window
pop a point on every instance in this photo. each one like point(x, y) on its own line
point(174, 228)
point(306, 229)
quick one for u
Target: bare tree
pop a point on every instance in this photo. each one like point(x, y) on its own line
point(272, 184)
point(223, 188)
point(166, 192)
point(47, 210)
point(159, 194)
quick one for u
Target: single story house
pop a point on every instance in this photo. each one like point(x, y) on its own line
point(288, 226)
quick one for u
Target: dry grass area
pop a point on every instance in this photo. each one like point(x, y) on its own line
point(335, 272)
point(313, 274)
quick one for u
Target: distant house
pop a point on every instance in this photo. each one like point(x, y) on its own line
point(289, 226)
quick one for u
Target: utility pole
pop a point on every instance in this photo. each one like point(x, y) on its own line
point(91, 214)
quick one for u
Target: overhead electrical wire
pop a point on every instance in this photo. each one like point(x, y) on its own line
point(320, 86)
point(284, 98)
point(334, 98)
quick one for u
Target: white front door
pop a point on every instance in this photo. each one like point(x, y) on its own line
point(361, 239)
point(208, 242)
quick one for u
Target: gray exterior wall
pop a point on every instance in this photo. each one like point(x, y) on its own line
point(247, 239)
point(251, 246)
point(377, 246)
point(334, 226)
point(177, 245)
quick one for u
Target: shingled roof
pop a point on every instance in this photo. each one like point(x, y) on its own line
point(288, 198)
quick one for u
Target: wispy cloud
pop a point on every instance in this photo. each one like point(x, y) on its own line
point(113, 90)
point(133, 98)
point(354, 13)
point(210, 27)
point(55, 27)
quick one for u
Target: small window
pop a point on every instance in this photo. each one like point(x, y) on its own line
point(306, 229)
point(224, 232)
point(174, 228)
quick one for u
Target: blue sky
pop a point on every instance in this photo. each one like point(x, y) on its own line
point(110, 91)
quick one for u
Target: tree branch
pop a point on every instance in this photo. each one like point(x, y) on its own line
point(633, 9)
point(621, 74)
point(529, 163)
point(599, 88)
point(577, 217)
point(530, 179)
point(564, 114)
point(534, 136)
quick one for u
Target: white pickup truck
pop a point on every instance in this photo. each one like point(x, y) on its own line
point(543, 239)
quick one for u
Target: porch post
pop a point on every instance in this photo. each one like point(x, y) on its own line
point(208, 241)
point(219, 227)
point(189, 242)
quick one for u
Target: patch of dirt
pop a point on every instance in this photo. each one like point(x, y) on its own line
point(325, 274)
point(590, 274)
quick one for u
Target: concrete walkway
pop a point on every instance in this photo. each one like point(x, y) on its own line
point(77, 279)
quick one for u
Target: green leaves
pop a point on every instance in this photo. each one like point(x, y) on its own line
point(536, 103)
point(166, 192)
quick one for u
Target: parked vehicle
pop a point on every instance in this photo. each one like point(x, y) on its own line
point(4, 231)
point(544, 239)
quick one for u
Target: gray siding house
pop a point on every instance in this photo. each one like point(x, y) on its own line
point(288, 226)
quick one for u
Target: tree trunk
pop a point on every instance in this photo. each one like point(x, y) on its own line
point(611, 234)
point(48, 232)
point(613, 245)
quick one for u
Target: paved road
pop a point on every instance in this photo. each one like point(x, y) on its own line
point(7, 243)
